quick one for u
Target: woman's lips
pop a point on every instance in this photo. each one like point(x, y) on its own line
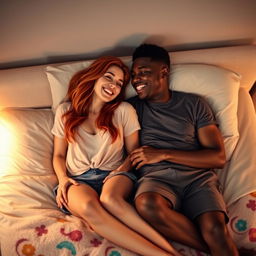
point(108, 91)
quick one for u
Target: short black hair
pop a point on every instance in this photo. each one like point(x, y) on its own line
point(154, 52)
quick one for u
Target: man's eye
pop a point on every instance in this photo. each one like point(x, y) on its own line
point(146, 72)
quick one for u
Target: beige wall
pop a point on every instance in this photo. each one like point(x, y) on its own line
point(46, 31)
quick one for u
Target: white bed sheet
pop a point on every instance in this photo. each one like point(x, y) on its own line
point(31, 223)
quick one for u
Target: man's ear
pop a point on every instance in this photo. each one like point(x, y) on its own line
point(165, 71)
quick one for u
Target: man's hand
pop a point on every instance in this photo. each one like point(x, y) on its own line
point(146, 155)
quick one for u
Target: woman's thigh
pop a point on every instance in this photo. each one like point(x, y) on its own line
point(118, 186)
point(79, 197)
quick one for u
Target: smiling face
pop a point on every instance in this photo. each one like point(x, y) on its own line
point(107, 87)
point(149, 80)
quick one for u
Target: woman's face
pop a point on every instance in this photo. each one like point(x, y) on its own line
point(107, 87)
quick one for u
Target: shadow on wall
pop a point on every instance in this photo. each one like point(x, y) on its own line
point(125, 47)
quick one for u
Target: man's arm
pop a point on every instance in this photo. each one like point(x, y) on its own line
point(212, 154)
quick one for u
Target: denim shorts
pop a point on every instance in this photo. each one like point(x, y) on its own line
point(94, 178)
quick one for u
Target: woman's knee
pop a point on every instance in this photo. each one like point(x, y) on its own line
point(113, 203)
point(91, 211)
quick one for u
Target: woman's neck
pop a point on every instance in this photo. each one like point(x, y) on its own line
point(96, 106)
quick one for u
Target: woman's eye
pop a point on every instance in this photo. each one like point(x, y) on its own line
point(109, 78)
point(119, 84)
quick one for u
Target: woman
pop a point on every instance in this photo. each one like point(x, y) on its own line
point(92, 132)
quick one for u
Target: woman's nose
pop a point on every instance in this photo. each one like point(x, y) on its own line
point(112, 84)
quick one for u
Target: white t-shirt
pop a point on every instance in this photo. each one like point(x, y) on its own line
point(97, 151)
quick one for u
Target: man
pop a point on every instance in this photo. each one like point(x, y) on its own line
point(178, 191)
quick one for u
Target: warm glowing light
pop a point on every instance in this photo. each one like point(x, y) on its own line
point(6, 146)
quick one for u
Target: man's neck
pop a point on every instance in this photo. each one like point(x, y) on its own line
point(162, 98)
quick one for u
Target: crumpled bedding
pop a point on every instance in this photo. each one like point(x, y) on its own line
point(32, 225)
point(42, 230)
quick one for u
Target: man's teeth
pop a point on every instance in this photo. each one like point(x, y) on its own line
point(140, 87)
point(108, 91)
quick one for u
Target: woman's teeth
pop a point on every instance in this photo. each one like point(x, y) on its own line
point(107, 91)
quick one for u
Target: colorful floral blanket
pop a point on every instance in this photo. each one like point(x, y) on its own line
point(50, 233)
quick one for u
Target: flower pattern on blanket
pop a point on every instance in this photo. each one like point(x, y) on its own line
point(252, 234)
point(68, 236)
point(252, 205)
point(75, 235)
point(41, 230)
point(242, 224)
point(67, 241)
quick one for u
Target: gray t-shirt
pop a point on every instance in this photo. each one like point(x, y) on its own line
point(172, 125)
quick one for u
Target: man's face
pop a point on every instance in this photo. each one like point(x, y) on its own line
point(146, 78)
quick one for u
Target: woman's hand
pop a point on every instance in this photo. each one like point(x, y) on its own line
point(125, 166)
point(64, 183)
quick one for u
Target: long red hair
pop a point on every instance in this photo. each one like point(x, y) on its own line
point(80, 94)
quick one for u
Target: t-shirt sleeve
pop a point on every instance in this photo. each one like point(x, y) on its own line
point(205, 115)
point(129, 119)
point(58, 126)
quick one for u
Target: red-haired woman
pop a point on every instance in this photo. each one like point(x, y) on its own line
point(92, 132)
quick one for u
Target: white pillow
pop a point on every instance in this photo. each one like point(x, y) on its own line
point(26, 142)
point(219, 86)
point(59, 77)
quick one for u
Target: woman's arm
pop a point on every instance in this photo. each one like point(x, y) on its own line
point(131, 143)
point(59, 157)
point(59, 165)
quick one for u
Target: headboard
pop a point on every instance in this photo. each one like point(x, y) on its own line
point(29, 87)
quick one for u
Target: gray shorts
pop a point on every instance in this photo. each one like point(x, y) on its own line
point(94, 178)
point(190, 192)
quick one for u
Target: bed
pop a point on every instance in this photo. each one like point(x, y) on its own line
point(30, 222)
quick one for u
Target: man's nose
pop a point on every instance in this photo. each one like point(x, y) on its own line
point(135, 78)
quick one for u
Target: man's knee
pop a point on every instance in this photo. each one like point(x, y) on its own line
point(151, 204)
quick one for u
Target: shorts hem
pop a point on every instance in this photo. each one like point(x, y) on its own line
point(171, 197)
point(129, 175)
point(211, 210)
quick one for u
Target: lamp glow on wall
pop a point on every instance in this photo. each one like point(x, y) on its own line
point(7, 144)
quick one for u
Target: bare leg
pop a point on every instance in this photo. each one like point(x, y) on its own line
point(216, 235)
point(84, 202)
point(159, 213)
point(113, 197)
